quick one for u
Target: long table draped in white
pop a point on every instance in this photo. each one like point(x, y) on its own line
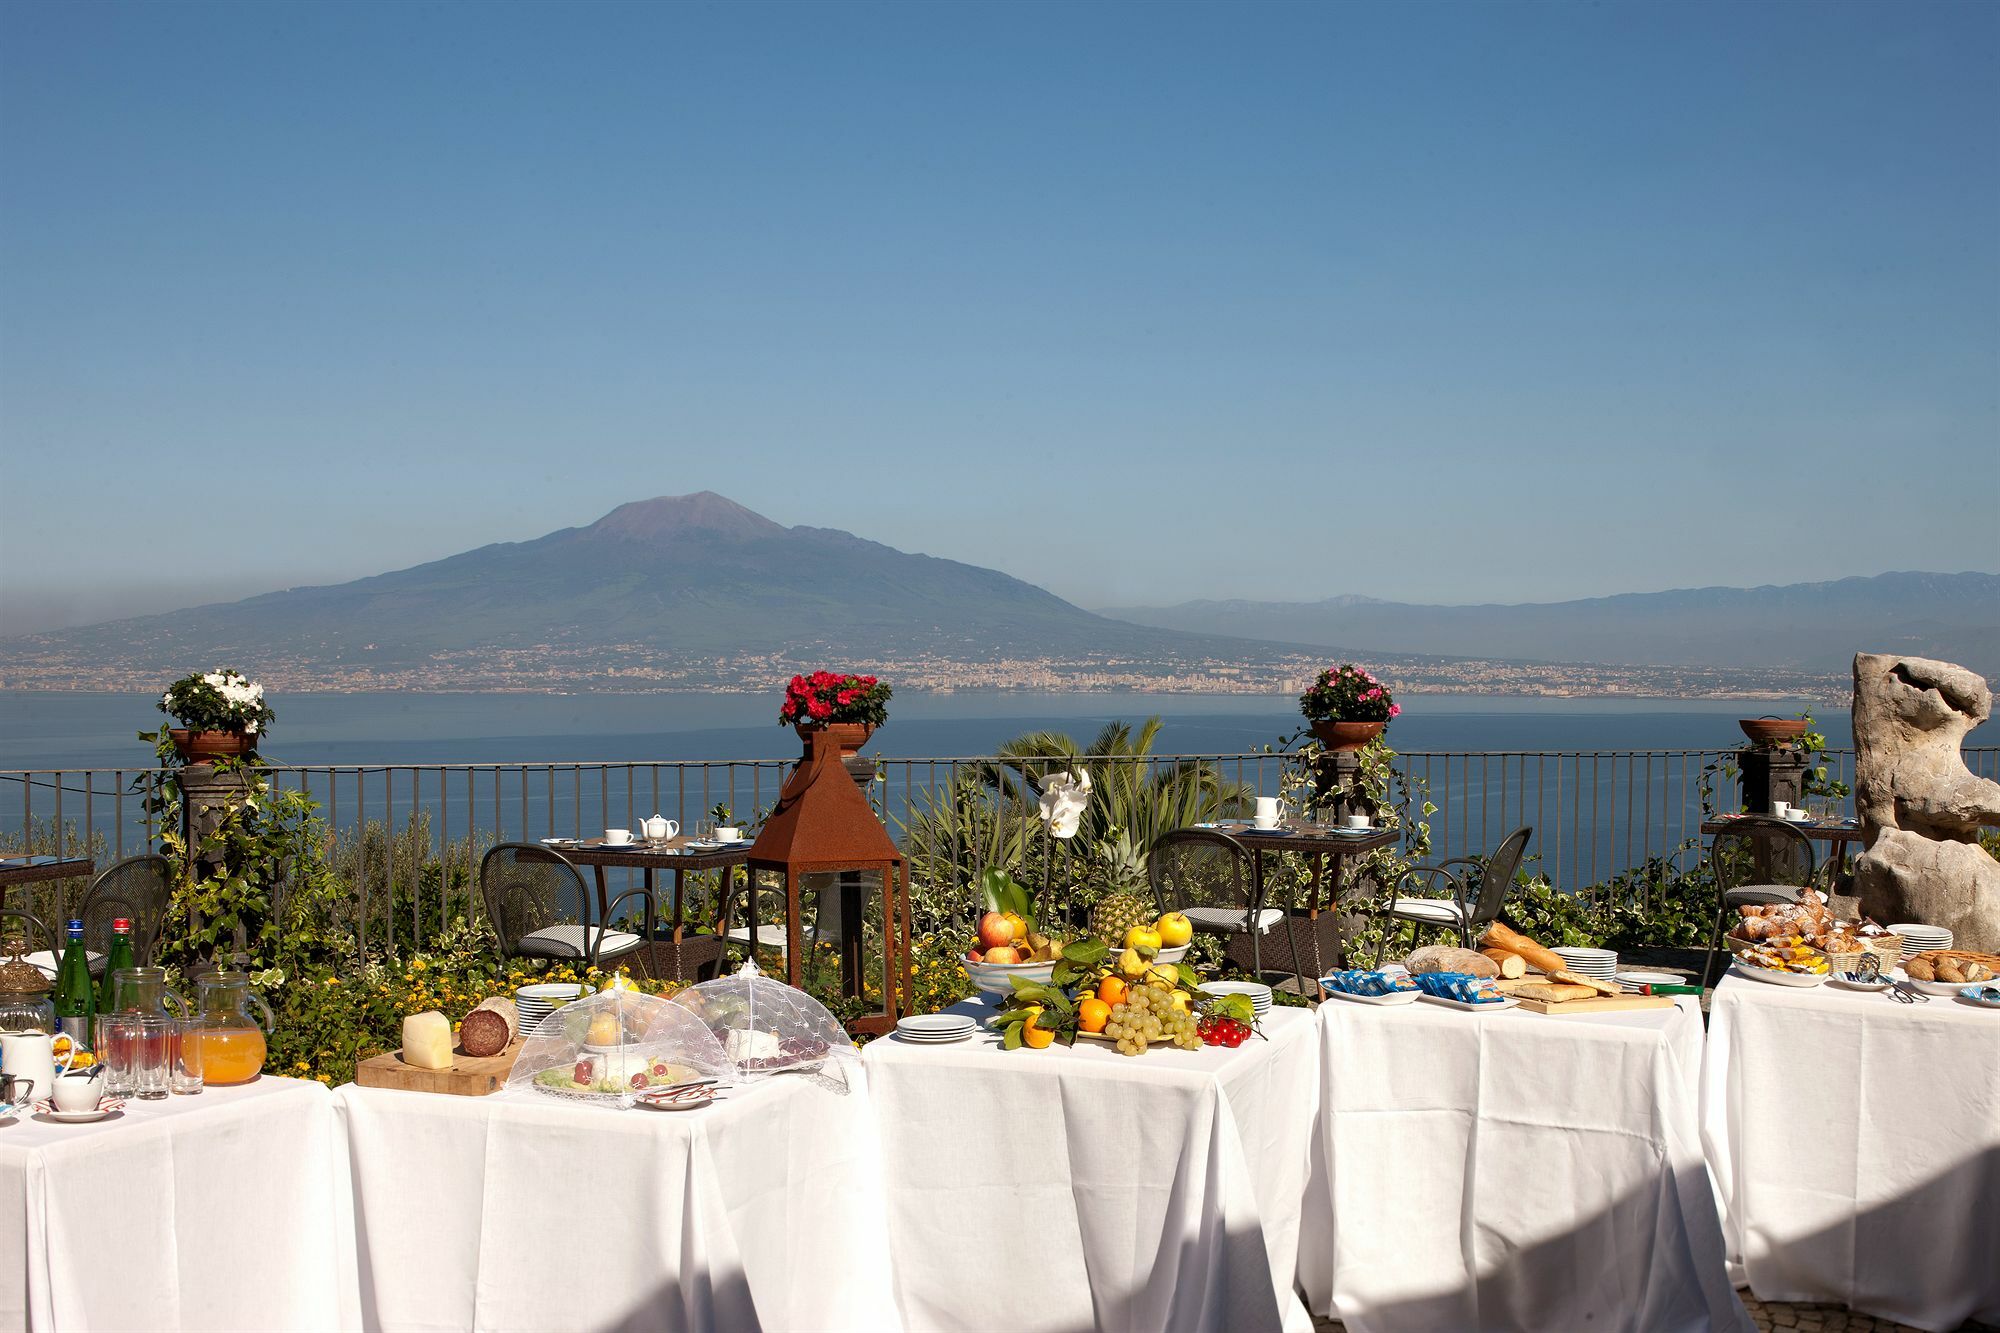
point(1512, 1170)
point(218, 1211)
point(1077, 1189)
point(1855, 1144)
point(516, 1211)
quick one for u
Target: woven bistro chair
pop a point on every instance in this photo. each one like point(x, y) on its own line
point(1757, 861)
point(540, 907)
point(1208, 875)
point(1473, 896)
point(137, 888)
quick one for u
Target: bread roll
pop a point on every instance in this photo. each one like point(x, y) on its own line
point(1920, 969)
point(1512, 966)
point(1447, 958)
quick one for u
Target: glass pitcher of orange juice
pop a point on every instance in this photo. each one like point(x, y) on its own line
point(231, 1035)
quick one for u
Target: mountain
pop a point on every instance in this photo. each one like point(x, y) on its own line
point(1815, 627)
point(677, 579)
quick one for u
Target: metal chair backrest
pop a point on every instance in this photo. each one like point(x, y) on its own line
point(1497, 876)
point(37, 931)
point(526, 888)
point(1194, 867)
point(139, 887)
point(1757, 849)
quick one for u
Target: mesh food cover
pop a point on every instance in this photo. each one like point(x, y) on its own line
point(606, 1049)
point(766, 1027)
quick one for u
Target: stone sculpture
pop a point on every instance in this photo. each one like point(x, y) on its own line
point(1921, 809)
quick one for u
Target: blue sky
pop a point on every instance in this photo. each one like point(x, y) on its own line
point(1430, 301)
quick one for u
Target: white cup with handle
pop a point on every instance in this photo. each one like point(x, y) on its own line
point(1355, 821)
point(1269, 810)
point(728, 833)
point(617, 837)
point(30, 1057)
point(79, 1090)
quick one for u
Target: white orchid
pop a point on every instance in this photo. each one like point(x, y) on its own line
point(1065, 796)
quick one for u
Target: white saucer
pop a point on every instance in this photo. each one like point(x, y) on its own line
point(104, 1111)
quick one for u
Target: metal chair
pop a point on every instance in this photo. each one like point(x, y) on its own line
point(1472, 902)
point(1208, 876)
point(137, 888)
point(540, 907)
point(1756, 862)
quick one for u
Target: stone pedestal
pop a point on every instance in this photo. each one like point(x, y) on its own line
point(1771, 775)
point(208, 795)
point(1337, 788)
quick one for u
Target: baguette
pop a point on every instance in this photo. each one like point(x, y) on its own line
point(1512, 966)
point(1504, 938)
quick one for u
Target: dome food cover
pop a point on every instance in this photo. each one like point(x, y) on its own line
point(607, 1049)
point(766, 1027)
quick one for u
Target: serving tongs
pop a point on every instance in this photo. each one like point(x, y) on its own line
point(679, 1091)
point(1904, 993)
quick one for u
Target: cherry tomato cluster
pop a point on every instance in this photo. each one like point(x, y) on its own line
point(1219, 1031)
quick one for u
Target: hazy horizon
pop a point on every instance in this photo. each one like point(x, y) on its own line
point(1457, 303)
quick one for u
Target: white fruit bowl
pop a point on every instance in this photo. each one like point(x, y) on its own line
point(997, 979)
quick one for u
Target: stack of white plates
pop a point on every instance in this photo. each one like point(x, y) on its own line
point(1921, 939)
point(1599, 964)
point(534, 1003)
point(1259, 993)
point(935, 1029)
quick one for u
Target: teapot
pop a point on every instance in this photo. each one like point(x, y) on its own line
point(659, 828)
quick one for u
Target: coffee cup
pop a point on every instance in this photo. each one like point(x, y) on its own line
point(728, 833)
point(617, 837)
point(1780, 810)
point(1268, 811)
point(1354, 821)
point(79, 1089)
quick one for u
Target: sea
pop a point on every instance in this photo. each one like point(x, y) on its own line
point(574, 764)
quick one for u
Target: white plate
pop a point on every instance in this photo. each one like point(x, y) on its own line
point(1256, 990)
point(934, 1041)
point(934, 1025)
point(1638, 977)
point(1772, 976)
point(1504, 1002)
point(1393, 997)
point(674, 1104)
point(1840, 979)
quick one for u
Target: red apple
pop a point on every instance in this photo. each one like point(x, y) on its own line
point(995, 930)
point(1004, 953)
point(972, 955)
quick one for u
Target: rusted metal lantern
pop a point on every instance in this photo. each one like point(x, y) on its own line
point(823, 827)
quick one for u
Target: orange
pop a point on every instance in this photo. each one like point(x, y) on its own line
point(1092, 1015)
point(1112, 990)
point(1035, 1038)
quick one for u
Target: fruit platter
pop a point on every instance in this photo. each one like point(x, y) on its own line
point(1122, 983)
point(766, 1027)
point(1008, 943)
point(612, 1047)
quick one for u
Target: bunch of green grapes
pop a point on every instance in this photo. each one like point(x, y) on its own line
point(1149, 1014)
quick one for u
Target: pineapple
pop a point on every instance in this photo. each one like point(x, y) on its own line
point(1116, 913)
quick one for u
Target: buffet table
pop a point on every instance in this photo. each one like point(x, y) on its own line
point(519, 1211)
point(1078, 1188)
point(216, 1211)
point(1512, 1170)
point(1855, 1147)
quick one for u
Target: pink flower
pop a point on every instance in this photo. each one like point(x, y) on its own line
point(1395, 710)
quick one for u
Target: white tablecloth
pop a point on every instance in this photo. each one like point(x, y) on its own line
point(520, 1211)
point(1855, 1145)
point(209, 1212)
point(1512, 1170)
point(1080, 1188)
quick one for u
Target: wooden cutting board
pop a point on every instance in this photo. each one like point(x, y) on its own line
point(469, 1075)
point(1602, 1004)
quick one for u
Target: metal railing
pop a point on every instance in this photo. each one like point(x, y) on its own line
point(1595, 813)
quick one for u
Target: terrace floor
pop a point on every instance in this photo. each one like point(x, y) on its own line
point(1779, 1317)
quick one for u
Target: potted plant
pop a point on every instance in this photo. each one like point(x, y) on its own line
point(222, 715)
point(847, 708)
point(1347, 707)
point(1773, 732)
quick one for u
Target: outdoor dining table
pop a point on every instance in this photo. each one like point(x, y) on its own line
point(516, 1210)
point(651, 856)
point(24, 869)
point(1854, 1142)
point(215, 1211)
point(1512, 1170)
point(1324, 843)
point(1839, 834)
point(1076, 1188)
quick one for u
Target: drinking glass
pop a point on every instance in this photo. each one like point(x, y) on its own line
point(117, 1040)
point(185, 1076)
point(704, 829)
point(152, 1047)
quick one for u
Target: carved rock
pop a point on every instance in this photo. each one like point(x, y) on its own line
point(1921, 809)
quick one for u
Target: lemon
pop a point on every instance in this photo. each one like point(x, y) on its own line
point(1131, 964)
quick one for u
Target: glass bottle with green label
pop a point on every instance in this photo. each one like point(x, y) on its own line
point(75, 999)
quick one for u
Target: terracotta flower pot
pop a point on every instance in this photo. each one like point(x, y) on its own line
point(1347, 735)
point(849, 736)
point(1772, 730)
point(200, 747)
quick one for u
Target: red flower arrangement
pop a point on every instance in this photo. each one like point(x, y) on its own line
point(1348, 693)
point(823, 697)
